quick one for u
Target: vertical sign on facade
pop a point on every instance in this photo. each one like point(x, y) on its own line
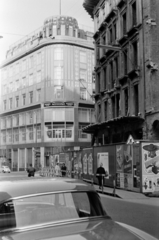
point(85, 163)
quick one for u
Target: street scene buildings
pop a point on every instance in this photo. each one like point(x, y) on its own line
point(47, 93)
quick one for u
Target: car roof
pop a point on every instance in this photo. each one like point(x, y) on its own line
point(23, 187)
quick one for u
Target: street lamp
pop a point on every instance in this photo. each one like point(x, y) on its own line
point(109, 47)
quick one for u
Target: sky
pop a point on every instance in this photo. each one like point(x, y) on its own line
point(19, 18)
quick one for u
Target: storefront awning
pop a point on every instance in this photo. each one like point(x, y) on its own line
point(115, 122)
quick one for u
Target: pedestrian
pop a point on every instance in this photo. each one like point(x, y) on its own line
point(100, 171)
point(63, 170)
point(57, 170)
point(31, 171)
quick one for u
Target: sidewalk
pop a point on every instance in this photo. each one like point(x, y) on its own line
point(129, 196)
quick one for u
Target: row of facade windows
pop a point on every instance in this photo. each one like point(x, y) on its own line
point(29, 98)
point(129, 13)
point(117, 67)
point(112, 108)
point(36, 59)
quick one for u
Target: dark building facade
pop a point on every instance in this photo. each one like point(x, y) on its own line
point(127, 86)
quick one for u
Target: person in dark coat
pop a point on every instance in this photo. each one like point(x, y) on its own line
point(100, 170)
point(31, 171)
point(63, 170)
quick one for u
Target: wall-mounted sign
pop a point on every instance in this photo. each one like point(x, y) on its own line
point(58, 103)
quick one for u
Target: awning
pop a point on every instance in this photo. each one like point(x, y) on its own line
point(115, 122)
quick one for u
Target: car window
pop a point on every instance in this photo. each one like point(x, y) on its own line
point(49, 208)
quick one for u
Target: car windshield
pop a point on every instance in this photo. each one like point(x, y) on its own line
point(48, 208)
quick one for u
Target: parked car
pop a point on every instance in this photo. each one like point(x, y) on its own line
point(64, 209)
point(5, 169)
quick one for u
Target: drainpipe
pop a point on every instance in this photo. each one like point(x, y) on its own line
point(144, 84)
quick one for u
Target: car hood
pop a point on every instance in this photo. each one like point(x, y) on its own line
point(103, 229)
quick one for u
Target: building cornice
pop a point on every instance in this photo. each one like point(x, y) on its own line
point(89, 6)
point(75, 42)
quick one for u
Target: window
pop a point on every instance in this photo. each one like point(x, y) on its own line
point(134, 14)
point(59, 92)
point(117, 105)
point(83, 75)
point(38, 76)
point(105, 78)
point(98, 82)
point(30, 130)
point(30, 97)
point(31, 80)
point(110, 35)
point(58, 54)
point(24, 82)
point(38, 129)
point(17, 68)
point(99, 113)
point(38, 95)
point(58, 73)
point(10, 103)
point(113, 107)
point(124, 23)
point(38, 58)
point(111, 77)
point(16, 84)
point(125, 55)
point(24, 65)
point(49, 208)
point(23, 99)
point(16, 135)
point(83, 94)
point(136, 99)
point(116, 67)
point(70, 31)
point(17, 101)
point(126, 99)
point(135, 54)
point(84, 115)
point(114, 31)
point(105, 110)
point(23, 134)
point(82, 57)
point(31, 59)
point(4, 104)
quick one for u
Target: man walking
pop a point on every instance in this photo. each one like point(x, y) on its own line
point(99, 174)
point(31, 171)
point(63, 170)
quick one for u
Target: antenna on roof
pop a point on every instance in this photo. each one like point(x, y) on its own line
point(60, 7)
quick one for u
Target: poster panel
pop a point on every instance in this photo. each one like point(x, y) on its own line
point(150, 167)
point(127, 154)
point(90, 164)
point(85, 163)
point(104, 159)
point(122, 180)
point(119, 159)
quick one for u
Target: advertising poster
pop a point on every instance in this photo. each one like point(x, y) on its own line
point(85, 163)
point(78, 162)
point(104, 159)
point(150, 167)
point(122, 180)
point(119, 159)
point(90, 164)
point(128, 181)
point(127, 150)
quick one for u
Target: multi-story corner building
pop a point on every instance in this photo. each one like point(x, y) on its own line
point(127, 60)
point(47, 93)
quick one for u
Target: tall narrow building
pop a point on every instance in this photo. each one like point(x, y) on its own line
point(47, 87)
point(126, 68)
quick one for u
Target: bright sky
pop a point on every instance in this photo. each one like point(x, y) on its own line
point(21, 17)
